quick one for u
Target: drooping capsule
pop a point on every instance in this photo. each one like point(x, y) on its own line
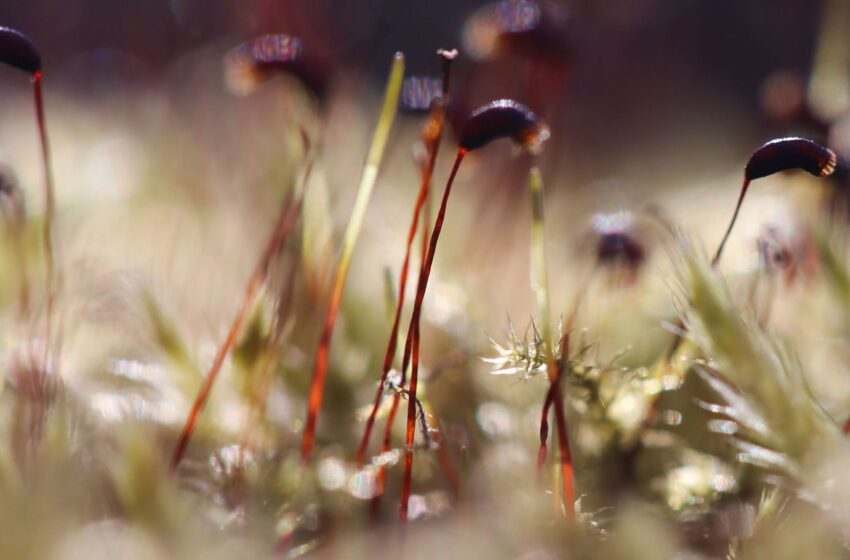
point(19, 51)
point(504, 118)
point(784, 154)
point(252, 63)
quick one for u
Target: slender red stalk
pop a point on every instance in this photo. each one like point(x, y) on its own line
point(564, 451)
point(433, 132)
point(286, 219)
point(426, 233)
point(680, 324)
point(719, 252)
point(49, 210)
point(385, 447)
point(413, 335)
point(320, 369)
point(554, 396)
point(544, 427)
point(389, 355)
point(386, 443)
point(410, 433)
point(554, 369)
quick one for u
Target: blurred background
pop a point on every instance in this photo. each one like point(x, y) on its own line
point(644, 75)
point(168, 185)
point(655, 101)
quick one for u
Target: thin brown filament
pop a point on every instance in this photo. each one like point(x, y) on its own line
point(392, 343)
point(544, 427)
point(320, 369)
point(49, 211)
point(554, 370)
point(564, 450)
point(554, 396)
point(436, 122)
point(677, 341)
point(288, 213)
point(722, 245)
point(413, 335)
point(388, 428)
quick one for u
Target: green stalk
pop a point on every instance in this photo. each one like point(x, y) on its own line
point(539, 274)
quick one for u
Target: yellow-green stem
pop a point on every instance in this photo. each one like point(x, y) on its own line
point(539, 275)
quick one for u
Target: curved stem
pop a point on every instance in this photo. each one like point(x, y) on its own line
point(288, 213)
point(564, 452)
point(386, 443)
point(413, 337)
point(720, 248)
point(49, 210)
point(389, 355)
point(554, 370)
point(680, 324)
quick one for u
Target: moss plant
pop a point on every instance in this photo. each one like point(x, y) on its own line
point(732, 444)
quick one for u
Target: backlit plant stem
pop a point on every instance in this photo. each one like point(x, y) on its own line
point(52, 276)
point(286, 219)
point(719, 253)
point(386, 442)
point(413, 335)
point(437, 120)
point(352, 232)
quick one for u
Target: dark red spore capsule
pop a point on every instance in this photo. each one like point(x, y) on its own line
point(783, 154)
point(19, 51)
point(503, 118)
